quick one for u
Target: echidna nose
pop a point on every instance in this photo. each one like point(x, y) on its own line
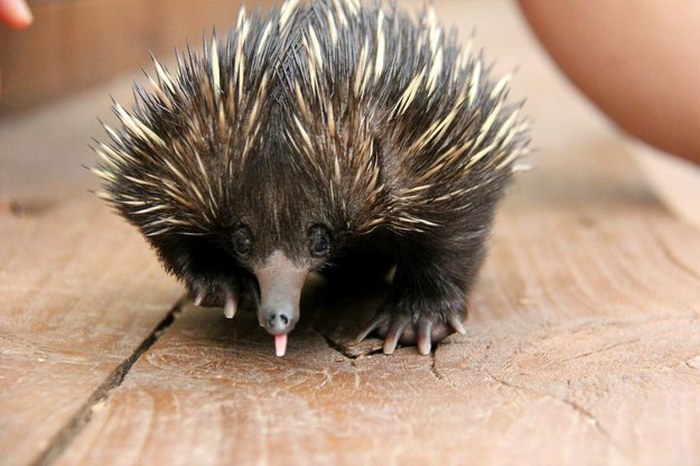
point(279, 320)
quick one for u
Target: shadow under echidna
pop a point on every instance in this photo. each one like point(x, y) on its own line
point(307, 136)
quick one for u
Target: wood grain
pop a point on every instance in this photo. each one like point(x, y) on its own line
point(583, 344)
point(79, 293)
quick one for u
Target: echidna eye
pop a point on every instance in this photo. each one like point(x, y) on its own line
point(242, 240)
point(319, 241)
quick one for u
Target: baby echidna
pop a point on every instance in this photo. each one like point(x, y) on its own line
point(311, 130)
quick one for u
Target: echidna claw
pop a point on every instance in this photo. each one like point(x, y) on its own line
point(456, 324)
point(231, 305)
point(378, 320)
point(201, 296)
point(425, 328)
point(393, 335)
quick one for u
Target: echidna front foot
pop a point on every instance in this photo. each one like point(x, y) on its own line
point(408, 326)
point(427, 301)
point(211, 294)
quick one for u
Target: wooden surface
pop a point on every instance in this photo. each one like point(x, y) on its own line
point(583, 345)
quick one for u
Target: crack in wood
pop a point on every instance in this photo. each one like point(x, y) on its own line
point(600, 350)
point(348, 352)
point(586, 414)
point(442, 378)
point(70, 431)
point(342, 349)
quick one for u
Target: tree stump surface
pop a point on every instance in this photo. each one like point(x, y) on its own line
point(582, 346)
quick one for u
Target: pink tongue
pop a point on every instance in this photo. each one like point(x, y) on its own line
point(281, 344)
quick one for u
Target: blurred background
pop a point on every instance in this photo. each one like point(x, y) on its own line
point(59, 76)
point(74, 44)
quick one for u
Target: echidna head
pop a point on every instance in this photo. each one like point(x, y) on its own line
point(284, 228)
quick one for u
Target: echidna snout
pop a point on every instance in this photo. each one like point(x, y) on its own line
point(280, 282)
